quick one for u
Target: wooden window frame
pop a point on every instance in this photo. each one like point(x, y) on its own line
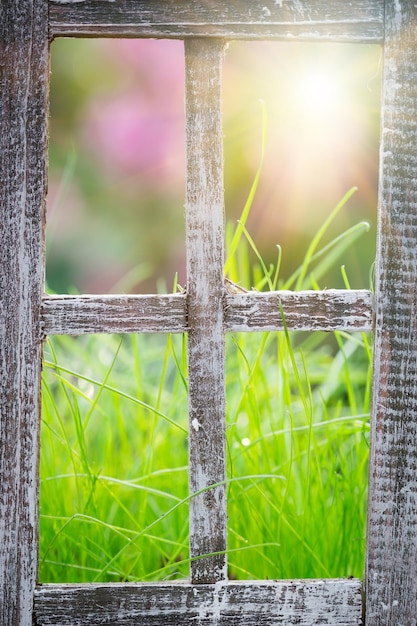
point(206, 311)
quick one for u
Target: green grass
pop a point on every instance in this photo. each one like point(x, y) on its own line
point(114, 485)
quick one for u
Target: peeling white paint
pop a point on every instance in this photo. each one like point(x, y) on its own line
point(299, 6)
point(352, 21)
point(205, 307)
point(196, 425)
point(301, 603)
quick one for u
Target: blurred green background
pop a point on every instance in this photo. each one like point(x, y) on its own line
point(116, 180)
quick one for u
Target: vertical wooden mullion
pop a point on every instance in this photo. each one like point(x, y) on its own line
point(24, 73)
point(205, 258)
point(391, 563)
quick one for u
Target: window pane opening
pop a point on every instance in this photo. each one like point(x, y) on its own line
point(312, 110)
point(114, 475)
point(298, 442)
point(116, 179)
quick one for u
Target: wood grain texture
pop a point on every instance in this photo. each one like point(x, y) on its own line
point(76, 315)
point(303, 310)
point(391, 570)
point(266, 603)
point(205, 257)
point(24, 71)
point(358, 20)
point(249, 312)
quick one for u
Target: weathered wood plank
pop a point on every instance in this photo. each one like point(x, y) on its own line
point(391, 571)
point(24, 70)
point(205, 257)
point(359, 20)
point(76, 315)
point(267, 603)
point(303, 310)
point(247, 312)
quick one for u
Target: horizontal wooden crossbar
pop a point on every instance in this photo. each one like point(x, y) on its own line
point(78, 315)
point(330, 310)
point(301, 602)
point(336, 309)
point(359, 21)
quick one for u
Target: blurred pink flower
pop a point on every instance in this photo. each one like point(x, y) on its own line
point(129, 134)
point(141, 130)
point(157, 65)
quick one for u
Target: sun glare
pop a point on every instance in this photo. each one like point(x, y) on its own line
point(320, 92)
